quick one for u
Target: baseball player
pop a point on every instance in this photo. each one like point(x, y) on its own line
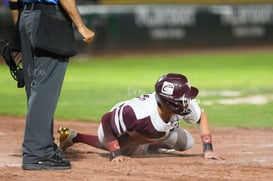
point(149, 122)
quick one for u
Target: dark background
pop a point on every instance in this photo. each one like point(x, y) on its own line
point(130, 27)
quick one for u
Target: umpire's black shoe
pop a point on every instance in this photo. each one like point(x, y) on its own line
point(55, 163)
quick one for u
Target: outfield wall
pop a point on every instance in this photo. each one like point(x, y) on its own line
point(177, 1)
point(169, 26)
point(130, 27)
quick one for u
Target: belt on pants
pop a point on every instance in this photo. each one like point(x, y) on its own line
point(40, 6)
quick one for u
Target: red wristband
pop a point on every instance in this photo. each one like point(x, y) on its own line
point(207, 142)
point(113, 146)
point(206, 138)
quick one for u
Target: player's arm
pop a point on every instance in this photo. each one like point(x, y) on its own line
point(200, 117)
point(71, 8)
point(15, 6)
point(206, 137)
point(111, 139)
point(115, 139)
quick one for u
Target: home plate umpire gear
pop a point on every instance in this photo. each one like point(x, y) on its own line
point(13, 59)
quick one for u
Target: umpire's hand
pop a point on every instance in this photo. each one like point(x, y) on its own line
point(87, 34)
point(71, 9)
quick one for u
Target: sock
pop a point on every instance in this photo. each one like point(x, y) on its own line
point(91, 140)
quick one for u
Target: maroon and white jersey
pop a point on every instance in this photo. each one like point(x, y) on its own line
point(140, 115)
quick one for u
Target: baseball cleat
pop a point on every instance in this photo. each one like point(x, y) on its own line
point(66, 137)
point(166, 150)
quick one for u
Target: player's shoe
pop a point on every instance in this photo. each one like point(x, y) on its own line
point(66, 137)
point(166, 150)
point(155, 148)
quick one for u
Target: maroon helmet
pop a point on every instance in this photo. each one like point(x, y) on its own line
point(174, 92)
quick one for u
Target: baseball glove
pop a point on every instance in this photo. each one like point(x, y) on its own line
point(13, 59)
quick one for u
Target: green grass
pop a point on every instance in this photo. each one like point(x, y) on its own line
point(93, 85)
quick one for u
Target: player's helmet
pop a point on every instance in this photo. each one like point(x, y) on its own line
point(175, 92)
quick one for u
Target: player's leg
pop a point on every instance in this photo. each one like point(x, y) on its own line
point(91, 140)
point(69, 136)
point(179, 139)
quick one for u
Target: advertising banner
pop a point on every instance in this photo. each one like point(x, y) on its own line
point(168, 26)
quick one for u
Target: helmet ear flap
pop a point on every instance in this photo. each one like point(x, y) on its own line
point(175, 106)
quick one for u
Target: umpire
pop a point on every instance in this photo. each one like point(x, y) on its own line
point(44, 24)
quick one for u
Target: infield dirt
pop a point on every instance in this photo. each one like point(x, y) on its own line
point(247, 153)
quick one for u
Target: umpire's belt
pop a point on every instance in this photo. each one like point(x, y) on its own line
point(41, 6)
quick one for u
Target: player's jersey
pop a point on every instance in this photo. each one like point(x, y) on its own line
point(141, 115)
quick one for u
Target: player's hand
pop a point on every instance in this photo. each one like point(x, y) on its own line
point(121, 158)
point(212, 155)
point(87, 34)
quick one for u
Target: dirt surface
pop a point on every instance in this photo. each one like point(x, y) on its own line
point(247, 153)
